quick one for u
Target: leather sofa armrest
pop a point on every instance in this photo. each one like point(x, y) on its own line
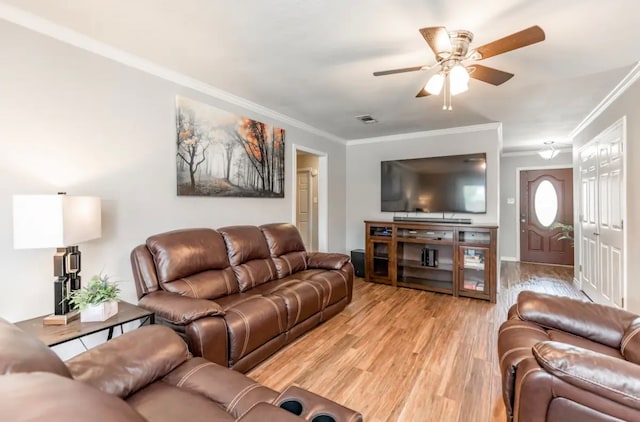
point(605, 376)
point(267, 412)
point(327, 261)
point(630, 345)
point(179, 310)
point(40, 396)
point(232, 390)
point(131, 361)
point(599, 323)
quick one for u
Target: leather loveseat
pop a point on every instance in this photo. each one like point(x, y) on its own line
point(238, 294)
point(145, 374)
point(563, 359)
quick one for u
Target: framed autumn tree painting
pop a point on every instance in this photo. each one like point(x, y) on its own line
point(223, 154)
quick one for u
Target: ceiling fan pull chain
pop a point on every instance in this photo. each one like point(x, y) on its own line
point(446, 89)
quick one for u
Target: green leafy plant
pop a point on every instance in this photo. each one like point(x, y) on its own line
point(99, 290)
point(566, 230)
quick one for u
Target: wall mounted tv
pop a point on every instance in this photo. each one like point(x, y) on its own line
point(455, 183)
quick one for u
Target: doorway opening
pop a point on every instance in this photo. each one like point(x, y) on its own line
point(309, 197)
point(545, 203)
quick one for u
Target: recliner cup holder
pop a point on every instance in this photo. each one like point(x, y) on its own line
point(295, 407)
point(323, 418)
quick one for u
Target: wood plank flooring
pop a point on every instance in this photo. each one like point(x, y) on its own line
point(408, 355)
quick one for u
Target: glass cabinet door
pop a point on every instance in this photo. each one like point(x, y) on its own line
point(473, 269)
point(379, 266)
point(381, 259)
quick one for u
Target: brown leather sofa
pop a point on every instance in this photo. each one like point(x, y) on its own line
point(146, 374)
point(563, 359)
point(238, 294)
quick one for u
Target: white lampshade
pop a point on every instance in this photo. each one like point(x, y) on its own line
point(434, 84)
point(458, 79)
point(55, 221)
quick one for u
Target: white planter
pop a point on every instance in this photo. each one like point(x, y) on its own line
point(101, 312)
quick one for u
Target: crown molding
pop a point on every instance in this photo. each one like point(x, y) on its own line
point(64, 34)
point(615, 93)
point(428, 133)
point(533, 152)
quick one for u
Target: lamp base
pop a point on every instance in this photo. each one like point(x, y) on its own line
point(60, 319)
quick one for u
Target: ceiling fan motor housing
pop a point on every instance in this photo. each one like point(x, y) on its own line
point(460, 40)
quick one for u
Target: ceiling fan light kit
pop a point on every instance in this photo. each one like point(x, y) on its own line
point(451, 48)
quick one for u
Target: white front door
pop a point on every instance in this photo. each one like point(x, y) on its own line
point(304, 207)
point(601, 218)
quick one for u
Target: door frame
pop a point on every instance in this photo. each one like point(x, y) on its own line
point(526, 168)
point(323, 192)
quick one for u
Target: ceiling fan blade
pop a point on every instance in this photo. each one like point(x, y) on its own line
point(438, 39)
point(422, 93)
point(488, 74)
point(511, 42)
point(402, 70)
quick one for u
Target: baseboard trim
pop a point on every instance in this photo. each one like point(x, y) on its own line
point(509, 258)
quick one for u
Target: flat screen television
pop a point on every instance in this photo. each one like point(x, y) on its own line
point(454, 183)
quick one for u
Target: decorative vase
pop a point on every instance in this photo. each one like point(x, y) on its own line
point(100, 312)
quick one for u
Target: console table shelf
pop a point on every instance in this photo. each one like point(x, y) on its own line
point(456, 259)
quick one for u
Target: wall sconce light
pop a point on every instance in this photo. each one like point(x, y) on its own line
point(548, 152)
point(57, 221)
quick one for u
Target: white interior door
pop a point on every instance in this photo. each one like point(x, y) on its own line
point(304, 207)
point(602, 218)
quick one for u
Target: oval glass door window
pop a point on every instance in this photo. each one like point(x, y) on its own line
point(546, 203)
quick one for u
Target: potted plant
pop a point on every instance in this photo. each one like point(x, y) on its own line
point(566, 230)
point(97, 301)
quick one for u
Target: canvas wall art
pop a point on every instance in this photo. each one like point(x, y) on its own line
point(223, 154)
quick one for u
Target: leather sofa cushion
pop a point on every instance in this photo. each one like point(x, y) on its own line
point(286, 248)
point(302, 298)
point(41, 396)
point(205, 285)
point(253, 322)
point(151, 353)
point(249, 256)
point(163, 402)
point(21, 352)
point(333, 284)
point(193, 262)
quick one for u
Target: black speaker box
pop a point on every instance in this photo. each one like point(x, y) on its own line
point(357, 259)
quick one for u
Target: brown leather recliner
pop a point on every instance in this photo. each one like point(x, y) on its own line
point(238, 294)
point(563, 359)
point(145, 374)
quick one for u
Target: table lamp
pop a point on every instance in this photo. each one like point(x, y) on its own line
point(57, 221)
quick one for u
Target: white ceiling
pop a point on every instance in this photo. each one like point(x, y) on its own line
point(313, 60)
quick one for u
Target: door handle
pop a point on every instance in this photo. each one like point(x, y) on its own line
point(596, 234)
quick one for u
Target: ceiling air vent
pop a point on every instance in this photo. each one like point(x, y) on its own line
point(366, 119)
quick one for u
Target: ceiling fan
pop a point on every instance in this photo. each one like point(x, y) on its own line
point(451, 49)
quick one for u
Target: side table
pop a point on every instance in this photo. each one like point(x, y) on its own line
point(52, 335)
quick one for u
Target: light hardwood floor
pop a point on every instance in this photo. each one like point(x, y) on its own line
point(407, 355)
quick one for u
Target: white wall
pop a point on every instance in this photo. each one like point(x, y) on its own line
point(628, 104)
point(77, 122)
point(508, 182)
point(363, 174)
